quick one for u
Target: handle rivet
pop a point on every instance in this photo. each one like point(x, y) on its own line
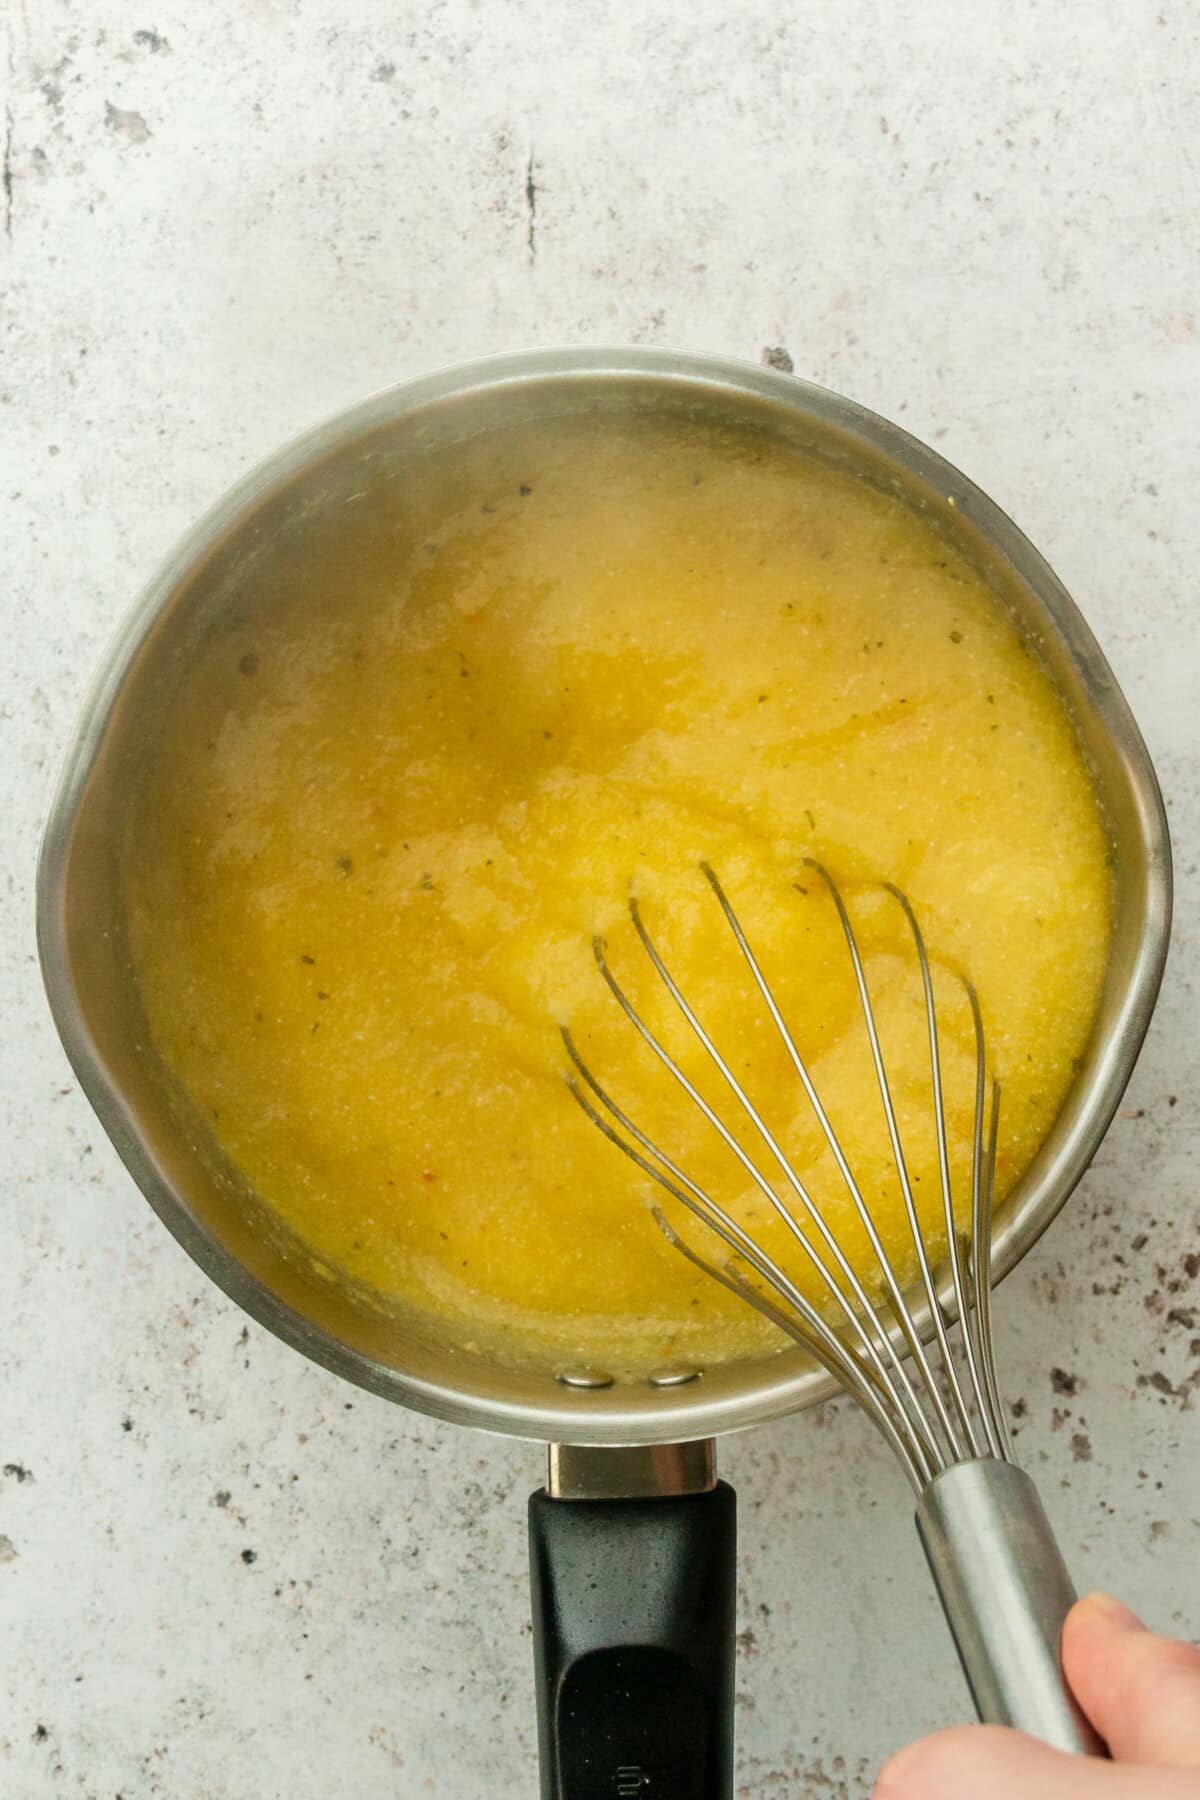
point(584, 1378)
point(672, 1375)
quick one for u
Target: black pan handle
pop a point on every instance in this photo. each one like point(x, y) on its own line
point(633, 1633)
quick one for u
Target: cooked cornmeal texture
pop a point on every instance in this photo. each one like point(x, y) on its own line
point(419, 767)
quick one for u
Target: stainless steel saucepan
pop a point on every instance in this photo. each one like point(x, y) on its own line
point(632, 1540)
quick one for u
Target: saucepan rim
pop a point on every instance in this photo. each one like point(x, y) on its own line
point(770, 1386)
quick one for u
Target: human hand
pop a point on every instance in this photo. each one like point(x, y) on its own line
point(1141, 1693)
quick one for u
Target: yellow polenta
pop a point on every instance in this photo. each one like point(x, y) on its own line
point(414, 773)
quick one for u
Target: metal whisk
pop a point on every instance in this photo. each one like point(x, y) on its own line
point(998, 1571)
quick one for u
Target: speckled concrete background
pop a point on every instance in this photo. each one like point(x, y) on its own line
point(222, 1573)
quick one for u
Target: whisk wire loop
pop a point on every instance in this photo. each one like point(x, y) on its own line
point(858, 1292)
point(829, 1351)
point(976, 1318)
point(910, 1206)
point(981, 1265)
point(929, 1430)
point(977, 1435)
point(705, 1208)
point(868, 1385)
point(899, 1310)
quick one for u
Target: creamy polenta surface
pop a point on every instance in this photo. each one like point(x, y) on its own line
point(422, 763)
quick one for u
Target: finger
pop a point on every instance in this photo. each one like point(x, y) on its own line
point(1141, 1692)
point(989, 1762)
point(986, 1762)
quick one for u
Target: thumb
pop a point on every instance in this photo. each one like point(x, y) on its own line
point(986, 1762)
point(1141, 1692)
point(990, 1762)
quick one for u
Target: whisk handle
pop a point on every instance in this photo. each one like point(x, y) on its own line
point(1005, 1591)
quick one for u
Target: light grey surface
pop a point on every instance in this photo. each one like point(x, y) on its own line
point(218, 222)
